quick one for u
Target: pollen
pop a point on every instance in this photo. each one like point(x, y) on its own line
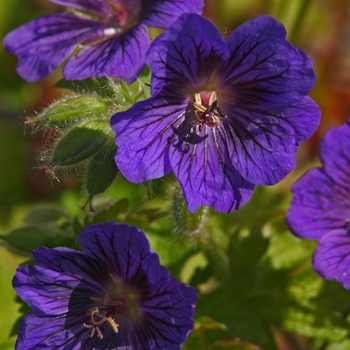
point(97, 320)
point(207, 112)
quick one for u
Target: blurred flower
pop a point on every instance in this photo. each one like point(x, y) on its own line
point(112, 33)
point(320, 209)
point(224, 116)
point(114, 295)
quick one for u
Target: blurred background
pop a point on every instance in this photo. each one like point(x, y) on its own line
point(320, 27)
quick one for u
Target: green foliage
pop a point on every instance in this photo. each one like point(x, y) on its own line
point(104, 87)
point(102, 170)
point(80, 143)
point(42, 225)
point(68, 111)
point(254, 279)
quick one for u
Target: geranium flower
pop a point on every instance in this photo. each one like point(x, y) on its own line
point(224, 116)
point(111, 35)
point(320, 209)
point(114, 295)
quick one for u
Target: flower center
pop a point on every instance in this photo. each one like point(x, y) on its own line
point(118, 303)
point(104, 314)
point(123, 15)
point(206, 110)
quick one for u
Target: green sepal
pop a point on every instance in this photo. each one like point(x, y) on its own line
point(81, 142)
point(101, 170)
point(66, 112)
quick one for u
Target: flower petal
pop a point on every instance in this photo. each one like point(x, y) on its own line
point(124, 249)
point(262, 146)
point(304, 117)
point(122, 56)
point(332, 256)
point(98, 6)
point(71, 262)
point(319, 205)
point(143, 134)
point(160, 13)
point(169, 309)
point(202, 166)
point(43, 44)
point(335, 155)
point(264, 69)
point(184, 56)
point(43, 289)
point(41, 331)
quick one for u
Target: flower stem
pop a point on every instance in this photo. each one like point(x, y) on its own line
point(301, 14)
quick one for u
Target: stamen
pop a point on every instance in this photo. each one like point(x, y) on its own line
point(96, 323)
point(213, 98)
point(206, 115)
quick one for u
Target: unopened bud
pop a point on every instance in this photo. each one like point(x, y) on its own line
point(101, 170)
point(64, 113)
point(81, 142)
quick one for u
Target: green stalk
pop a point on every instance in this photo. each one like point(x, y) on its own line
point(295, 32)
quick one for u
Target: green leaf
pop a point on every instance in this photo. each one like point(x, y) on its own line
point(101, 170)
point(49, 215)
point(81, 142)
point(233, 345)
point(25, 239)
point(205, 332)
point(317, 308)
point(287, 251)
point(247, 251)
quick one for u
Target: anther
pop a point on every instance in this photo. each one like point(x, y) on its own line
point(97, 320)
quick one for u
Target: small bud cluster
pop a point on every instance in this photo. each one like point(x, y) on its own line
point(82, 134)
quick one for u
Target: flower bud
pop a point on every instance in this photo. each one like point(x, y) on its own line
point(81, 142)
point(101, 170)
point(64, 113)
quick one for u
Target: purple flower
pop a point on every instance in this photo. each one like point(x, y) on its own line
point(224, 116)
point(114, 295)
point(111, 36)
point(320, 209)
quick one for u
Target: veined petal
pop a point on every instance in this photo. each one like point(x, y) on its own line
point(304, 117)
point(185, 56)
point(43, 44)
point(43, 331)
point(262, 146)
point(202, 166)
point(100, 7)
point(160, 13)
point(265, 70)
point(319, 205)
point(45, 290)
point(144, 309)
point(335, 156)
point(124, 249)
point(121, 56)
point(166, 309)
point(332, 256)
point(70, 262)
point(144, 134)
